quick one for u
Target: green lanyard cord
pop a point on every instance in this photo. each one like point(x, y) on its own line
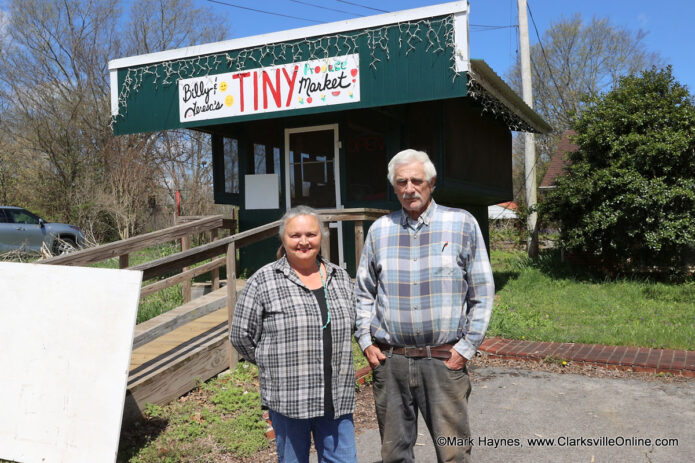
point(325, 295)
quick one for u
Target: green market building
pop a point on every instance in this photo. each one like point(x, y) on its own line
point(313, 115)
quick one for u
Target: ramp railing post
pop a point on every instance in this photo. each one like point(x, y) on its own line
point(186, 285)
point(215, 276)
point(359, 241)
point(231, 300)
point(326, 243)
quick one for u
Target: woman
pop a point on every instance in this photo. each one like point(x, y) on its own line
point(294, 319)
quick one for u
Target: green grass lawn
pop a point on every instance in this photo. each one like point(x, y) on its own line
point(549, 301)
point(221, 417)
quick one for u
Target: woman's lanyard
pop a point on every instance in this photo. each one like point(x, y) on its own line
point(325, 295)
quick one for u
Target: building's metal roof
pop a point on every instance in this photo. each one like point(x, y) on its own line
point(518, 115)
point(494, 95)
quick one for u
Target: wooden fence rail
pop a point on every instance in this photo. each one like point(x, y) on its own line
point(222, 251)
point(124, 247)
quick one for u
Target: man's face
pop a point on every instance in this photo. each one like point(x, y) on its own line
point(413, 191)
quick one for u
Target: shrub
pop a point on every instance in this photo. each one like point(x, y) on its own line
point(627, 201)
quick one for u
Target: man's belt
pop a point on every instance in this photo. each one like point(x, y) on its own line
point(439, 352)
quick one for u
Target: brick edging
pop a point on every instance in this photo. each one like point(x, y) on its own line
point(642, 359)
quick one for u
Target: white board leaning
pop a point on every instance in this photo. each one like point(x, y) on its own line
point(67, 334)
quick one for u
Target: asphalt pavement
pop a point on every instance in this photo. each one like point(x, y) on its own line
point(534, 416)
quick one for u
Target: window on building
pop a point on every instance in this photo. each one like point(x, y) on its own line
point(259, 159)
point(231, 164)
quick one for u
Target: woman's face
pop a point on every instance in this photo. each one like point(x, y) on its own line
point(302, 240)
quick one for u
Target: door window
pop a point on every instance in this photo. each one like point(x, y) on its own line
point(23, 217)
point(312, 170)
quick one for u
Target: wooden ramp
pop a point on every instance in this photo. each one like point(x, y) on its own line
point(173, 352)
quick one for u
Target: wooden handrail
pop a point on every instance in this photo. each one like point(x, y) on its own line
point(226, 223)
point(191, 225)
point(175, 262)
point(183, 276)
point(118, 248)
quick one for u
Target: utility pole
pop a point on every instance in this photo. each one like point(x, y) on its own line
point(530, 144)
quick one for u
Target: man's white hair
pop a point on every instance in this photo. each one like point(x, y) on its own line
point(408, 156)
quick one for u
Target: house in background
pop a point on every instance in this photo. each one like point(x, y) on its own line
point(503, 211)
point(313, 115)
point(559, 161)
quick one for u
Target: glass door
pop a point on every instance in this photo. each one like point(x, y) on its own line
point(313, 177)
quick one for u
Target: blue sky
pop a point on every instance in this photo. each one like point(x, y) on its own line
point(668, 23)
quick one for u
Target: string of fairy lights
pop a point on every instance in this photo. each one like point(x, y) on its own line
point(490, 104)
point(436, 35)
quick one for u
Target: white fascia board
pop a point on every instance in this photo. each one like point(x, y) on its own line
point(462, 40)
point(113, 77)
point(460, 7)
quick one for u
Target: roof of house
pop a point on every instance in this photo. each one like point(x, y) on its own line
point(559, 162)
point(507, 210)
point(511, 106)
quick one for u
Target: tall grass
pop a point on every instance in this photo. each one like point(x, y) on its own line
point(547, 300)
point(161, 301)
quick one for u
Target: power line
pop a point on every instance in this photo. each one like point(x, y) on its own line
point(264, 12)
point(477, 27)
point(364, 6)
point(550, 69)
point(483, 27)
point(326, 8)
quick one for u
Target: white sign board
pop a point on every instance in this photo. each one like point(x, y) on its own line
point(298, 85)
point(67, 334)
point(262, 191)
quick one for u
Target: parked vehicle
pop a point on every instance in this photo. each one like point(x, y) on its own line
point(20, 229)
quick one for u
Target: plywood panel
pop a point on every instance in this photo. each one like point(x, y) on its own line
point(63, 382)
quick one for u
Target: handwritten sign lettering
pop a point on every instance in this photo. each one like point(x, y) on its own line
point(299, 85)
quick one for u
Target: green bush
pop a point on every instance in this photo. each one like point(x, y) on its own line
point(627, 201)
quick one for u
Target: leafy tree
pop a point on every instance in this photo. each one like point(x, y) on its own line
point(573, 59)
point(576, 58)
point(628, 198)
point(59, 155)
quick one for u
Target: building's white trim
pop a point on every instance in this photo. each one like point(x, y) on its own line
point(458, 7)
point(463, 52)
point(113, 76)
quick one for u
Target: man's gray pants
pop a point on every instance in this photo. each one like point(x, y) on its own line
point(402, 386)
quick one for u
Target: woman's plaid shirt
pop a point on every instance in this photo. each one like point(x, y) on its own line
point(425, 283)
point(277, 325)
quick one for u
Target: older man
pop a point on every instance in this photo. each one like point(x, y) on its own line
point(424, 296)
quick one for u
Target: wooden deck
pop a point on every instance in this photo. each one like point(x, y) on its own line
point(173, 352)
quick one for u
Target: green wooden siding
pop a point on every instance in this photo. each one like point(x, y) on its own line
point(401, 75)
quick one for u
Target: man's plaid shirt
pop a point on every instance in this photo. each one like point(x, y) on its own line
point(277, 325)
point(426, 282)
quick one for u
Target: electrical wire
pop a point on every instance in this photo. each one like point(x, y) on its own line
point(474, 27)
point(364, 6)
point(325, 7)
point(483, 27)
point(264, 12)
point(545, 57)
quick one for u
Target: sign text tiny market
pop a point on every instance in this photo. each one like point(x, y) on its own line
point(289, 86)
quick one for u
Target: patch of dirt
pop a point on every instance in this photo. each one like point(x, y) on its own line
point(364, 416)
